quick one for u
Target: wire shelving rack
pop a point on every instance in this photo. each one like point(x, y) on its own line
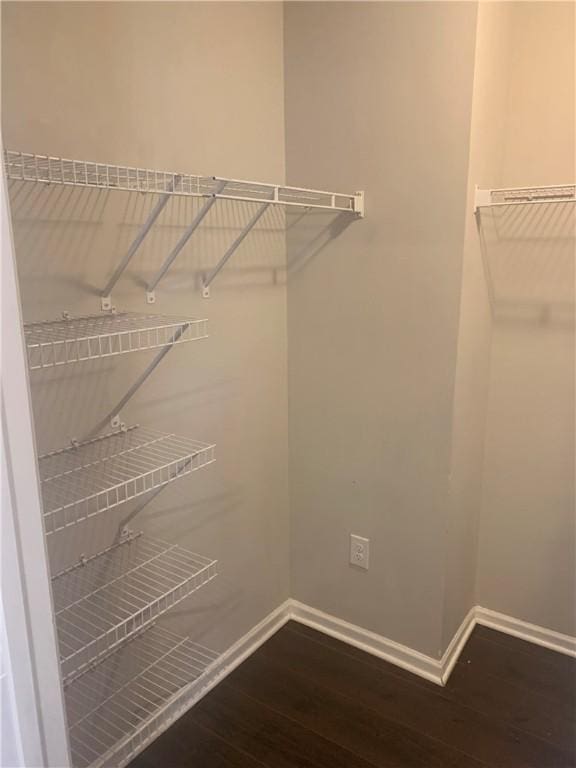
point(119, 706)
point(74, 339)
point(25, 166)
point(491, 198)
point(126, 678)
point(101, 602)
point(29, 167)
point(94, 476)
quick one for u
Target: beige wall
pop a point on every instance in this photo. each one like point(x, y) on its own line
point(184, 86)
point(378, 97)
point(487, 128)
point(360, 422)
point(527, 534)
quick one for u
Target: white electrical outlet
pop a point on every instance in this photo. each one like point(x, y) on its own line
point(359, 551)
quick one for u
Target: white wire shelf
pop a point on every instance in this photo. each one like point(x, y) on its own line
point(75, 339)
point(101, 602)
point(23, 166)
point(490, 198)
point(118, 707)
point(89, 478)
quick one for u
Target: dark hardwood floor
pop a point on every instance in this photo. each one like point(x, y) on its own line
point(305, 700)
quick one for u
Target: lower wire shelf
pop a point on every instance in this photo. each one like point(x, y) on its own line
point(119, 706)
point(75, 339)
point(96, 475)
point(101, 602)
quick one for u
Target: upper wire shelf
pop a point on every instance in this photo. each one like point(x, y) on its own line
point(119, 706)
point(104, 600)
point(96, 475)
point(73, 339)
point(22, 166)
point(490, 198)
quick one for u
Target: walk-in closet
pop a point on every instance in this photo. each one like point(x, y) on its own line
point(288, 384)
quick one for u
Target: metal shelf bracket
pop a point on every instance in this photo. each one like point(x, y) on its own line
point(482, 198)
point(106, 297)
point(113, 417)
point(359, 204)
point(168, 261)
point(249, 226)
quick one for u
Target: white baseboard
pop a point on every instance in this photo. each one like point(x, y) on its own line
point(371, 642)
point(547, 638)
point(247, 645)
point(452, 653)
point(436, 670)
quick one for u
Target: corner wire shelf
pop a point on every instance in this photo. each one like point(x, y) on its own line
point(91, 477)
point(115, 709)
point(23, 166)
point(74, 339)
point(101, 602)
point(492, 198)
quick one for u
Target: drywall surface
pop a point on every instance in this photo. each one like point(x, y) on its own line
point(192, 87)
point(487, 129)
point(378, 97)
point(527, 534)
point(539, 141)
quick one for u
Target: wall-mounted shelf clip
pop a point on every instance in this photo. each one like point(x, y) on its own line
point(359, 204)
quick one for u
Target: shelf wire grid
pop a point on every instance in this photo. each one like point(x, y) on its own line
point(23, 166)
point(526, 195)
point(119, 706)
point(92, 477)
point(100, 603)
point(74, 339)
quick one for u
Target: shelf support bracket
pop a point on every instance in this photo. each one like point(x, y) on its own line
point(359, 204)
point(106, 297)
point(151, 287)
point(207, 280)
point(482, 198)
point(148, 498)
point(113, 416)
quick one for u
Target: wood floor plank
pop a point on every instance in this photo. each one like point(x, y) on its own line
point(519, 668)
point(483, 736)
point(267, 735)
point(342, 720)
point(362, 656)
point(189, 745)
point(551, 720)
point(306, 700)
point(564, 663)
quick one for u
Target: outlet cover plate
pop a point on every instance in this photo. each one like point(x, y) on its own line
point(359, 551)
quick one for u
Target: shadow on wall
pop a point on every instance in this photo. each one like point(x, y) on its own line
point(528, 254)
point(310, 234)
